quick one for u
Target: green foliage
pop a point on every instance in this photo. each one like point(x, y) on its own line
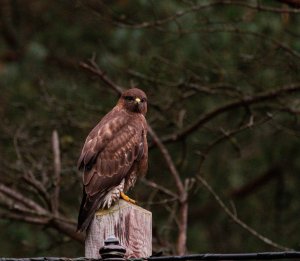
point(188, 65)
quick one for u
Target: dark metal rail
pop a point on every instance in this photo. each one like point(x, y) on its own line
point(113, 251)
point(231, 256)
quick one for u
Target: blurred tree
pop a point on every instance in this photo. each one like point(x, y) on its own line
point(223, 83)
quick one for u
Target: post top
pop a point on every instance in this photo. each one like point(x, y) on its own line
point(121, 204)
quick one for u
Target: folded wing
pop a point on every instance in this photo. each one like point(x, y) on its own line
point(109, 154)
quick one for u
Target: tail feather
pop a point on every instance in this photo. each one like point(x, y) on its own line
point(90, 204)
point(86, 213)
point(88, 208)
point(82, 214)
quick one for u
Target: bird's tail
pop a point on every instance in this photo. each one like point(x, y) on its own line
point(84, 217)
point(88, 208)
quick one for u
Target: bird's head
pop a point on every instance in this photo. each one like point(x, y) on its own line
point(134, 100)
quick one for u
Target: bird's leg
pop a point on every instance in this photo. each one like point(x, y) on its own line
point(126, 198)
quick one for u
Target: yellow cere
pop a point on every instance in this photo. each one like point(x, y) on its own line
point(137, 99)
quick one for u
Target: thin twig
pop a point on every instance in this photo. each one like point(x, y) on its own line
point(182, 193)
point(24, 218)
point(235, 30)
point(195, 8)
point(158, 202)
point(38, 186)
point(92, 67)
point(204, 118)
point(228, 135)
point(169, 161)
point(237, 220)
point(159, 187)
point(15, 195)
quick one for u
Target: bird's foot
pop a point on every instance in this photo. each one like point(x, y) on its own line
point(126, 198)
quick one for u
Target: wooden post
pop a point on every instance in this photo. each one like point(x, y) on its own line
point(131, 224)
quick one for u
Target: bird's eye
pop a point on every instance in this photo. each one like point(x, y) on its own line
point(143, 99)
point(129, 98)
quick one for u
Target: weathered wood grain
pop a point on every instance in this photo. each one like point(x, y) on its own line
point(131, 224)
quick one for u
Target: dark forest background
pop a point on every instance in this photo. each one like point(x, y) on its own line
point(223, 83)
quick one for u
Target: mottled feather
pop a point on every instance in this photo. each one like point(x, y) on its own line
point(115, 153)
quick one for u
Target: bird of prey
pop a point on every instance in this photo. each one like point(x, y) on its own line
point(114, 155)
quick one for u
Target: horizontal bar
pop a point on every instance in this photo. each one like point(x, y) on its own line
point(208, 256)
point(232, 256)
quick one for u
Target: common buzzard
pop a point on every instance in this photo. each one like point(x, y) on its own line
point(114, 154)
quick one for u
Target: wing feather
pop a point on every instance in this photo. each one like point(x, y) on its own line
point(98, 138)
point(119, 144)
point(107, 164)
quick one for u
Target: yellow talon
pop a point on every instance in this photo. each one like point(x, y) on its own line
point(126, 198)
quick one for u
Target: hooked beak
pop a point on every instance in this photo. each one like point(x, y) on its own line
point(138, 104)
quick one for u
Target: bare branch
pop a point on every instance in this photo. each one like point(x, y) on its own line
point(195, 8)
point(237, 220)
point(67, 229)
point(256, 183)
point(228, 135)
point(24, 218)
point(21, 199)
point(234, 30)
point(12, 205)
point(159, 202)
point(182, 194)
point(169, 161)
point(292, 3)
point(38, 187)
point(265, 96)
point(93, 68)
point(57, 171)
point(160, 188)
point(49, 221)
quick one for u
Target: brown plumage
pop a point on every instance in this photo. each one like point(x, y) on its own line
point(114, 154)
